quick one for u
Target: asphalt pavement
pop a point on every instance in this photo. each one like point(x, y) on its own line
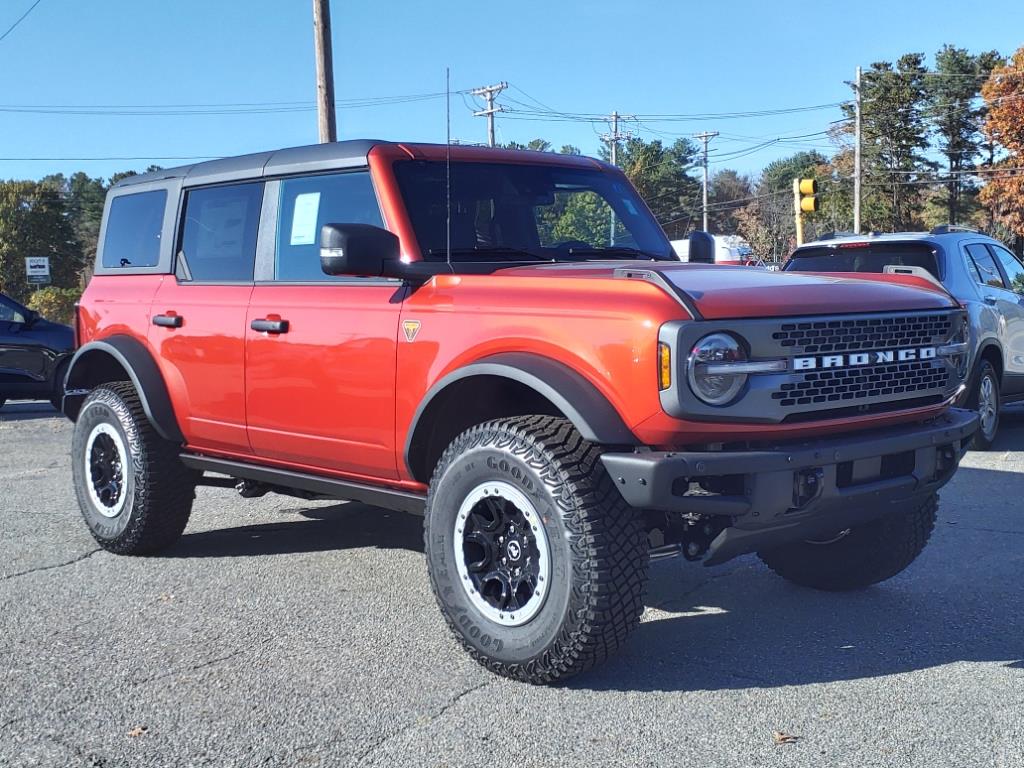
point(281, 632)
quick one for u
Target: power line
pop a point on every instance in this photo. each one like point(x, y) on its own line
point(20, 19)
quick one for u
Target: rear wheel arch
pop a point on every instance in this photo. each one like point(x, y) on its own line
point(122, 358)
point(502, 386)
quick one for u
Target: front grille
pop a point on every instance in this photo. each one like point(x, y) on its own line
point(863, 383)
point(865, 334)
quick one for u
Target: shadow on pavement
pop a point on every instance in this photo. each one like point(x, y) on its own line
point(740, 626)
point(338, 527)
point(27, 410)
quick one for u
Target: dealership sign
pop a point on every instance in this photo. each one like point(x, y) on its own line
point(37, 270)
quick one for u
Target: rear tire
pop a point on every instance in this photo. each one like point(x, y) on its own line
point(987, 401)
point(133, 491)
point(862, 556)
point(587, 545)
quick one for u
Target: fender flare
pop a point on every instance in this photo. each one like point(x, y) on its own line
point(582, 403)
point(142, 370)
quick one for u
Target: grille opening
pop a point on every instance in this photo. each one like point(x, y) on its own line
point(865, 334)
point(838, 385)
point(864, 410)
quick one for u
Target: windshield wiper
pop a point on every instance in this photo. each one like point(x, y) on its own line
point(614, 250)
point(511, 254)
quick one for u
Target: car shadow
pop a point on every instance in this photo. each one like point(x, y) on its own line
point(739, 626)
point(28, 410)
point(337, 527)
point(1011, 429)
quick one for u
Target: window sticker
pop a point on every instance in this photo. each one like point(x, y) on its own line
point(304, 216)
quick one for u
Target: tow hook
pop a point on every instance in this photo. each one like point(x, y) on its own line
point(807, 485)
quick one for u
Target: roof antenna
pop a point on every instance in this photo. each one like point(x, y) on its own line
point(448, 166)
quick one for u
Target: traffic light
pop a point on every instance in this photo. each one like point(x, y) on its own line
point(808, 190)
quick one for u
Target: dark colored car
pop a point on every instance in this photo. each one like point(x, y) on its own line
point(34, 354)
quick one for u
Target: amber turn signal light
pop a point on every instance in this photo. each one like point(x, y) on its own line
point(664, 366)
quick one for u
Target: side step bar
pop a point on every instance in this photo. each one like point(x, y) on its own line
point(400, 501)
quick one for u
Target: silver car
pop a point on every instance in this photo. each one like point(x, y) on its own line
point(980, 272)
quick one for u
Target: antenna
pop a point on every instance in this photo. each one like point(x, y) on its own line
point(448, 165)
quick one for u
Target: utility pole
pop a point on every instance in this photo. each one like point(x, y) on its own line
point(856, 155)
point(324, 71)
point(705, 137)
point(489, 92)
point(612, 138)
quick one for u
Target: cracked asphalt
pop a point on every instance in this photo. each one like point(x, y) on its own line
point(288, 633)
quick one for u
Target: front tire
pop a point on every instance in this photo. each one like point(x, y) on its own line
point(987, 401)
point(537, 563)
point(133, 491)
point(859, 557)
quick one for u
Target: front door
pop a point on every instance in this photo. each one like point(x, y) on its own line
point(320, 350)
point(198, 315)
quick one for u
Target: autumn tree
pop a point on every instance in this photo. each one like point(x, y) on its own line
point(728, 192)
point(1003, 93)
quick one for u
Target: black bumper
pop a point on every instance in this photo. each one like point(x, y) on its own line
point(800, 490)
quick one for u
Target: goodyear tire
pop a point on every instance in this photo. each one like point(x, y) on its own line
point(134, 493)
point(862, 555)
point(986, 400)
point(537, 563)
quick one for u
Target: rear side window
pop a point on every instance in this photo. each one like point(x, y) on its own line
point(309, 203)
point(1013, 268)
point(218, 239)
point(985, 270)
point(868, 257)
point(134, 223)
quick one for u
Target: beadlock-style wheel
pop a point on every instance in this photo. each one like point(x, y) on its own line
point(106, 460)
point(502, 553)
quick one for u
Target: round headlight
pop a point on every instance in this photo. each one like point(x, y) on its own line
point(707, 369)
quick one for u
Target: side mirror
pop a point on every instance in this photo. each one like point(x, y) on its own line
point(702, 248)
point(358, 249)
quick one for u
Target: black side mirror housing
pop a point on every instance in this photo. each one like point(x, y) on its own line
point(702, 248)
point(360, 250)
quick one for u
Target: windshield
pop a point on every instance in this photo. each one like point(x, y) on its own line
point(511, 212)
point(863, 257)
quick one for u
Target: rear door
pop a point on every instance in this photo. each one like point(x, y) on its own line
point(1011, 304)
point(320, 389)
point(198, 314)
point(22, 358)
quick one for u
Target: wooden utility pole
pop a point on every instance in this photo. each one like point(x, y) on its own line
point(857, 155)
point(324, 71)
point(489, 92)
point(705, 137)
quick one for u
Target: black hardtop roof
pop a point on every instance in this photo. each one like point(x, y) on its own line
point(314, 157)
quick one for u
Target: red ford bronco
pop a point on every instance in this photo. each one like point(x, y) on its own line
point(505, 343)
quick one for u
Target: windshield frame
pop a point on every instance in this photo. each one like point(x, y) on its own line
point(659, 248)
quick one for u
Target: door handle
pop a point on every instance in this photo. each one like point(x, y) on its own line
point(991, 300)
point(269, 326)
point(169, 320)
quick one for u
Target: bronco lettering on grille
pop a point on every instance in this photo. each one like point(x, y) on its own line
point(853, 359)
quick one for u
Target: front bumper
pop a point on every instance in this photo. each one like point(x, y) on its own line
point(797, 491)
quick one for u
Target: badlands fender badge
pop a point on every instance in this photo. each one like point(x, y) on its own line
point(410, 328)
point(863, 358)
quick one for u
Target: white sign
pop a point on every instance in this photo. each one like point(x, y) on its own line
point(307, 206)
point(37, 270)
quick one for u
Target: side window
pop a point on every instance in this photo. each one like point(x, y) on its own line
point(218, 238)
point(1013, 268)
point(986, 267)
point(10, 312)
point(309, 203)
point(134, 223)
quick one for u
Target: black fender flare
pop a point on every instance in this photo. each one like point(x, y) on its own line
point(143, 372)
point(582, 403)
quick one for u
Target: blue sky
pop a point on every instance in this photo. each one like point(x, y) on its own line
point(586, 56)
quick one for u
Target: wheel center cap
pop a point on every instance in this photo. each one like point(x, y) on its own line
point(515, 550)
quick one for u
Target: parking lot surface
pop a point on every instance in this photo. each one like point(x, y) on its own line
point(295, 633)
